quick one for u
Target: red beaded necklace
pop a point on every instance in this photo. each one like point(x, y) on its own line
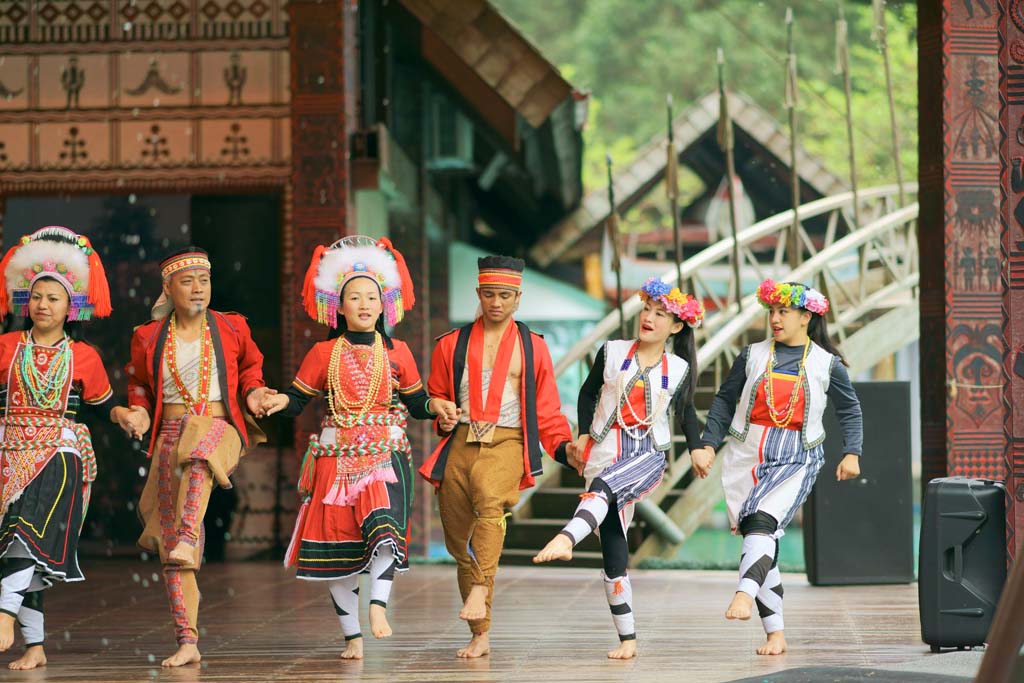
point(198, 405)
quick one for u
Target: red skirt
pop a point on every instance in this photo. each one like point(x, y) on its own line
point(334, 541)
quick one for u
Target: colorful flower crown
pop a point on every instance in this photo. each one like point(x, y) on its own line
point(683, 306)
point(793, 295)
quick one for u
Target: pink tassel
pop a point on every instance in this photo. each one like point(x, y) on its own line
point(345, 494)
point(291, 556)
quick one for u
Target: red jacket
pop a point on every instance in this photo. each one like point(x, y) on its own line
point(543, 422)
point(239, 367)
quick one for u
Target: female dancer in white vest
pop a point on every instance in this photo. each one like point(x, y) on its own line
point(774, 447)
point(624, 423)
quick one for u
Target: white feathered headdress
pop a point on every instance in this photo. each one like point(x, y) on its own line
point(331, 268)
point(60, 254)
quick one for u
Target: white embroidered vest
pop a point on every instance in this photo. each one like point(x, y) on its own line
point(615, 353)
point(817, 375)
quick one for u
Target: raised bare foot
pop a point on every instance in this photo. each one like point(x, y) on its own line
point(479, 646)
point(187, 653)
point(34, 657)
point(476, 604)
point(625, 650)
point(6, 631)
point(353, 649)
point(379, 626)
point(776, 644)
point(558, 548)
point(740, 607)
point(182, 553)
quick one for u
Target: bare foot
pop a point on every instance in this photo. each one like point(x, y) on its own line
point(6, 631)
point(740, 607)
point(476, 604)
point(379, 626)
point(479, 646)
point(558, 548)
point(625, 650)
point(776, 644)
point(34, 657)
point(182, 553)
point(187, 653)
point(353, 649)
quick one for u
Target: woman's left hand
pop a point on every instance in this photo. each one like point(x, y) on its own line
point(849, 468)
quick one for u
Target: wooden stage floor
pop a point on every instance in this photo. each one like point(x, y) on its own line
point(552, 624)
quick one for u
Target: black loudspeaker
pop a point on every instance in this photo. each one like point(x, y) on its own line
point(963, 560)
point(862, 531)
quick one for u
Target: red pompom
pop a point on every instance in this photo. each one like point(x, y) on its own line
point(408, 292)
point(309, 285)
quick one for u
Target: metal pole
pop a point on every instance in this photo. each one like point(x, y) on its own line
point(792, 88)
point(727, 143)
point(672, 190)
point(843, 65)
point(612, 227)
point(882, 35)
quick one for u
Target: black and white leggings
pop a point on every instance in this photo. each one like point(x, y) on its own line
point(345, 591)
point(593, 514)
point(21, 592)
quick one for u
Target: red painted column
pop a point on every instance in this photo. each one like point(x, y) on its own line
point(963, 242)
point(1011, 62)
point(320, 95)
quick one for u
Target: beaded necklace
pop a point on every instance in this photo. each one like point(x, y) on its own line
point(782, 419)
point(644, 424)
point(378, 369)
point(199, 404)
point(45, 387)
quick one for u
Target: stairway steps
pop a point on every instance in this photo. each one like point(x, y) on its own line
point(580, 558)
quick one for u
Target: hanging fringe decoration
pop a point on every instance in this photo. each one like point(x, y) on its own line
point(309, 298)
point(408, 294)
point(99, 289)
point(291, 556)
point(5, 303)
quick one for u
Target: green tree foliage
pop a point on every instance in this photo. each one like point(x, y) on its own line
point(631, 53)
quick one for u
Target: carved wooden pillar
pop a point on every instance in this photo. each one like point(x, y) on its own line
point(320, 92)
point(966, 242)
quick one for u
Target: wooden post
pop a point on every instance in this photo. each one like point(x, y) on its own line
point(612, 227)
point(727, 142)
point(672, 190)
point(792, 96)
point(882, 36)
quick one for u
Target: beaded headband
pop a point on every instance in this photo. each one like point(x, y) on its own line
point(62, 255)
point(193, 260)
point(683, 306)
point(355, 256)
point(793, 295)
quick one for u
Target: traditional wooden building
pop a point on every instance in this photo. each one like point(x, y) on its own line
point(257, 129)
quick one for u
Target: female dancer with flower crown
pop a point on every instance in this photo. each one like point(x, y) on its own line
point(770, 407)
point(48, 382)
point(624, 418)
point(356, 475)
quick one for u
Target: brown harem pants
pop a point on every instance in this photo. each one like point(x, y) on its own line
point(481, 483)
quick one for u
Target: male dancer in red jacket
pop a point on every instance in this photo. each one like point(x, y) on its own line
point(191, 369)
point(500, 374)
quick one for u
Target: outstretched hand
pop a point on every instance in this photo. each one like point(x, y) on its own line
point(134, 421)
point(447, 413)
point(849, 467)
point(274, 403)
point(702, 460)
point(256, 399)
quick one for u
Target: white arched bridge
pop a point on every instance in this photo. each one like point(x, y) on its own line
point(867, 269)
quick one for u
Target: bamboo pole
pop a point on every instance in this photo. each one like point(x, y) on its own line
point(792, 96)
point(843, 67)
point(727, 142)
point(882, 36)
point(672, 190)
point(612, 226)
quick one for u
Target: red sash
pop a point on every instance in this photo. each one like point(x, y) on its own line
point(483, 418)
